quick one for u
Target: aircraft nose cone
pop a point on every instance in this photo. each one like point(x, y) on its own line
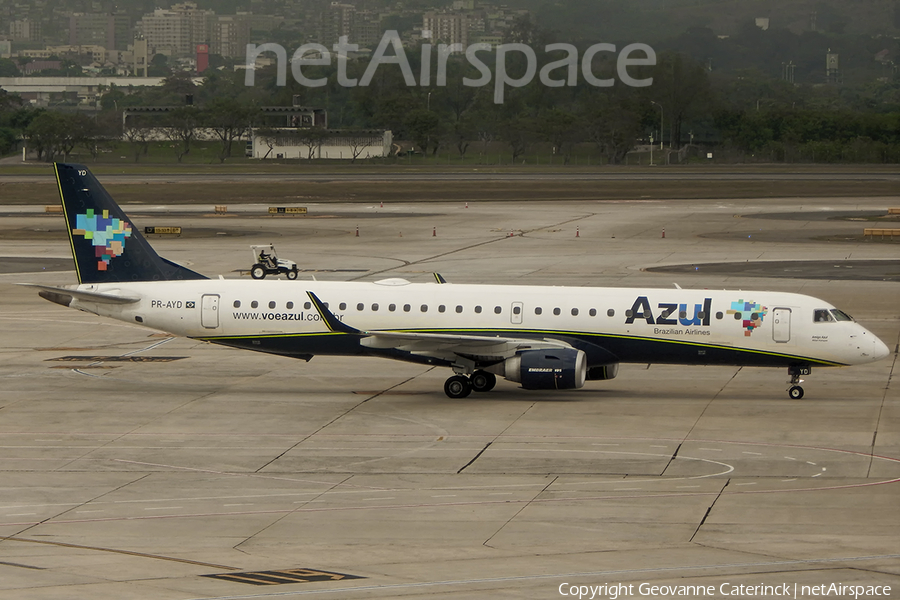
point(881, 350)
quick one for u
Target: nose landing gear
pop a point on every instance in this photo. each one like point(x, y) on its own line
point(795, 391)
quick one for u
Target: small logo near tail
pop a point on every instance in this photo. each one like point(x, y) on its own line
point(106, 234)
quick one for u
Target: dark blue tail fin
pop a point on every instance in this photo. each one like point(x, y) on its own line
point(106, 246)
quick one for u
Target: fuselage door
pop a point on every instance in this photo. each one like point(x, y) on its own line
point(515, 313)
point(209, 311)
point(781, 325)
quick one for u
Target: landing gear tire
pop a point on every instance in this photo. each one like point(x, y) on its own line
point(258, 272)
point(796, 392)
point(482, 381)
point(292, 275)
point(457, 387)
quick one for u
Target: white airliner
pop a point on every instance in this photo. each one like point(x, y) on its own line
point(540, 337)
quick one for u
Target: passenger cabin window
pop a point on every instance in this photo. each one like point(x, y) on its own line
point(374, 307)
point(406, 308)
point(289, 305)
point(307, 305)
point(237, 303)
point(517, 310)
point(424, 308)
point(360, 306)
point(254, 304)
point(342, 306)
point(611, 312)
point(497, 310)
point(392, 307)
point(593, 312)
point(821, 315)
point(477, 310)
point(272, 304)
point(556, 311)
point(441, 308)
point(459, 309)
point(538, 310)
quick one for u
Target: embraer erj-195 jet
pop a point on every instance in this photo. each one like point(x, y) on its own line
point(540, 337)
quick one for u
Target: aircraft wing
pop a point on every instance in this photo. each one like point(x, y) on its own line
point(449, 346)
point(438, 345)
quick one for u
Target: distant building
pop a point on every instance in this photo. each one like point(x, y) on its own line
point(36, 66)
point(447, 28)
point(110, 31)
point(338, 144)
point(25, 30)
point(176, 31)
point(366, 29)
point(202, 62)
point(230, 35)
point(140, 57)
point(41, 91)
point(93, 53)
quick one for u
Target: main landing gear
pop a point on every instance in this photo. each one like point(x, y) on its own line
point(795, 391)
point(460, 386)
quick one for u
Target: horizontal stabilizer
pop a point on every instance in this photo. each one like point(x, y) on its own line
point(55, 294)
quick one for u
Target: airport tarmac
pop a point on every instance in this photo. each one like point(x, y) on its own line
point(139, 466)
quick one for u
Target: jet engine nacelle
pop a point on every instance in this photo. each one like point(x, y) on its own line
point(562, 369)
point(603, 372)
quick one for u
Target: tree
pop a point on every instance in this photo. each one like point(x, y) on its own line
point(98, 132)
point(8, 68)
point(681, 87)
point(312, 138)
point(181, 125)
point(518, 132)
point(45, 133)
point(138, 135)
point(562, 129)
point(611, 123)
point(269, 137)
point(229, 120)
point(159, 66)
point(423, 126)
point(179, 84)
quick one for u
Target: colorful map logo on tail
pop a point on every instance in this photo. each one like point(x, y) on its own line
point(757, 313)
point(107, 235)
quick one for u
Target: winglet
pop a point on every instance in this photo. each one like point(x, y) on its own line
point(439, 278)
point(334, 324)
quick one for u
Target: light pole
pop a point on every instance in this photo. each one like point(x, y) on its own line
point(428, 135)
point(660, 123)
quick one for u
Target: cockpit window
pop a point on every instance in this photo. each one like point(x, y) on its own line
point(821, 315)
point(840, 315)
